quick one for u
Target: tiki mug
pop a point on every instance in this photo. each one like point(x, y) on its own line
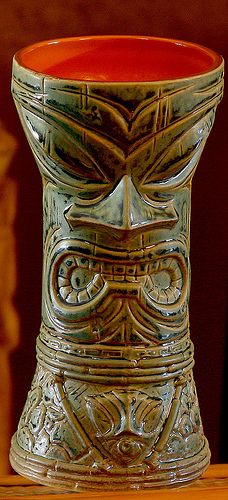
point(117, 126)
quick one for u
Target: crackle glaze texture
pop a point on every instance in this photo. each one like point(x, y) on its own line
point(113, 403)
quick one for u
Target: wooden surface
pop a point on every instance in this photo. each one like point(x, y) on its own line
point(201, 21)
point(213, 485)
point(9, 325)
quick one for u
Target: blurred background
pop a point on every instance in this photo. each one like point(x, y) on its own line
point(25, 22)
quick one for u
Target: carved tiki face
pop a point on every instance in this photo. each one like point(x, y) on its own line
point(120, 160)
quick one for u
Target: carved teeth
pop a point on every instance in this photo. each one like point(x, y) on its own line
point(64, 291)
point(171, 294)
point(154, 266)
point(83, 296)
point(72, 297)
point(106, 267)
point(142, 269)
point(119, 270)
point(63, 271)
point(154, 293)
point(150, 283)
point(131, 270)
point(163, 298)
point(130, 278)
point(177, 283)
point(176, 292)
point(94, 266)
point(108, 277)
point(63, 281)
point(92, 290)
point(168, 263)
point(69, 262)
point(99, 282)
point(80, 279)
point(82, 262)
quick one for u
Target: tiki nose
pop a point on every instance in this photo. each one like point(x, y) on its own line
point(130, 211)
point(133, 210)
point(124, 210)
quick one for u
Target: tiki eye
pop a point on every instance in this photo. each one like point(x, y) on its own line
point(63, 151)
point(73, 158)
point(91, 192)
point(176, 160)
point(76, 283)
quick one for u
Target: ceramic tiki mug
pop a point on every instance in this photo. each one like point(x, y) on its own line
point(117, 126)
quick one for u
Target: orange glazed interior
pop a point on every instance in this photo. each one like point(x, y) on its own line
point(118, 58)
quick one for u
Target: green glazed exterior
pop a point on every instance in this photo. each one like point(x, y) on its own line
point(113, 403)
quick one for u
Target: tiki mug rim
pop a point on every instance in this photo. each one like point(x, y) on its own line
point(115, 59)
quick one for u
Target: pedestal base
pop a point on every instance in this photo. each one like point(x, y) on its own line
point(81, 478)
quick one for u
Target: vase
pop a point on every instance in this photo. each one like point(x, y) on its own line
point(117, 126)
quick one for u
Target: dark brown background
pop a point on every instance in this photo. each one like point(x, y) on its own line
point(202, 21)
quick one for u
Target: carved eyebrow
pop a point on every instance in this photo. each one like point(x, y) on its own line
point(50, 134)
point(178, 149)
point(75, 131)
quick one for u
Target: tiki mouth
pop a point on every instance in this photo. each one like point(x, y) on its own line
point(129, 270)
point(81, 271)
point(79, 279)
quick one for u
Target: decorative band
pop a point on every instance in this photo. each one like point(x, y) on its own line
point(103, 363)
point(80, 477)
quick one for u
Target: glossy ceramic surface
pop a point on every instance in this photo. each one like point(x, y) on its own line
point(118, 59)
point(113, 403)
